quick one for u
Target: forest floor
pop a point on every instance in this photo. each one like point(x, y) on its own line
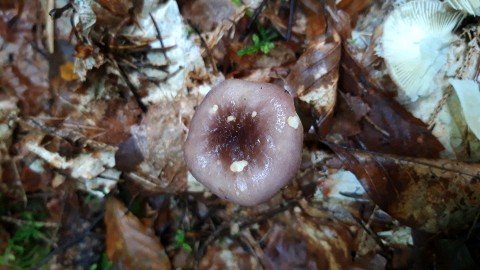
point(96, 99)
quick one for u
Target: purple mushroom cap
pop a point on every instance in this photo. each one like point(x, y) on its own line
point(245, 141)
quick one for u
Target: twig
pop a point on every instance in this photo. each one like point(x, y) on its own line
point(257, 12)
point(18, 180)
point(204, 44)
point(379, 129)
point(439, 107)
point(23, 222)
point(58, 12)
point(291, 16)
point(68, 243)
point(159, 36)
point(132, 88)
point(243, 224)
point(375, 237)
point(470, 231)
point(50, 26)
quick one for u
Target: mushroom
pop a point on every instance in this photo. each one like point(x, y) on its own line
point(470, 6)
point(416, 45)
point(245, 141)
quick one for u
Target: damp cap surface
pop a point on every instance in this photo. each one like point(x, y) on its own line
point(245, 141)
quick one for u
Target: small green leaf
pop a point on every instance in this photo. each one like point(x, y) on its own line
point(255, 39)
point(267, 47)
point(10, 256)
point(237, 2)
point(187, 247)
point(247, 51)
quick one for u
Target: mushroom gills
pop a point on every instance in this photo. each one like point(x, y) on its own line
point(470, 6)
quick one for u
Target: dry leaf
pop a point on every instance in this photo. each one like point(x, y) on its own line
point(316, 19)
point(388, 127)
point(66, 72)
point(131, 245)
point(353, 7)
point(314, 78)
point(232, 256)
point(23, 69)
point(158, 143)
point(308, 244)
point(432, 195)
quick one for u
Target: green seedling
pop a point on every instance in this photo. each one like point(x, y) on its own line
point(262, 42)
point(24, 247)
point(181, 242)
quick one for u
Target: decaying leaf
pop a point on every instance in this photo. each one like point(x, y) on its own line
point(119, 8)
point(130, 244)
point(388, 127)
point(432, 195)
point(353, 7)
point(155, 151)
point(316, 23)
point(22, 66)
point(314, 78)
point(308, 244)
point(208, 14)
point(228, 256)
point(93, 169)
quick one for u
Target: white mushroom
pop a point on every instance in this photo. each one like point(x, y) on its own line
point(415, 45)
point(470, 6)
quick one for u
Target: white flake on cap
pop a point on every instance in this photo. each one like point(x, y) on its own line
point(213, 109)
point(238, 166)
point(293, 121)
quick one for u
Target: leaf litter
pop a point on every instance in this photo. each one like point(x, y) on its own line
point(92, 131)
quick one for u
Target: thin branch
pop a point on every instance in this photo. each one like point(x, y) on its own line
point(249, 29)
point(204, 44)
point(291, 17)
point(69, 243)
point(159, 36)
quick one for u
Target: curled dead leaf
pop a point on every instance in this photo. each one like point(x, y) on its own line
point(387, 127)
point(314, 78)
point(130, 244)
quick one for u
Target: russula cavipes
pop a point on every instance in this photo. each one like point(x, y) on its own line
point(416, 44)
point(244, 141)
point(470, 6)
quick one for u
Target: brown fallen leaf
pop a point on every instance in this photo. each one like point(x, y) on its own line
point(388, 127)
point(314, 78)
point(228, 256)
point(353, 7)
point(155, 151)
point(131, 245)
point(208, 14)
point(23, 68)
point(432, 195)
point(316, 19)
point(118, 8)
point(350, 110)
point(308, 243)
